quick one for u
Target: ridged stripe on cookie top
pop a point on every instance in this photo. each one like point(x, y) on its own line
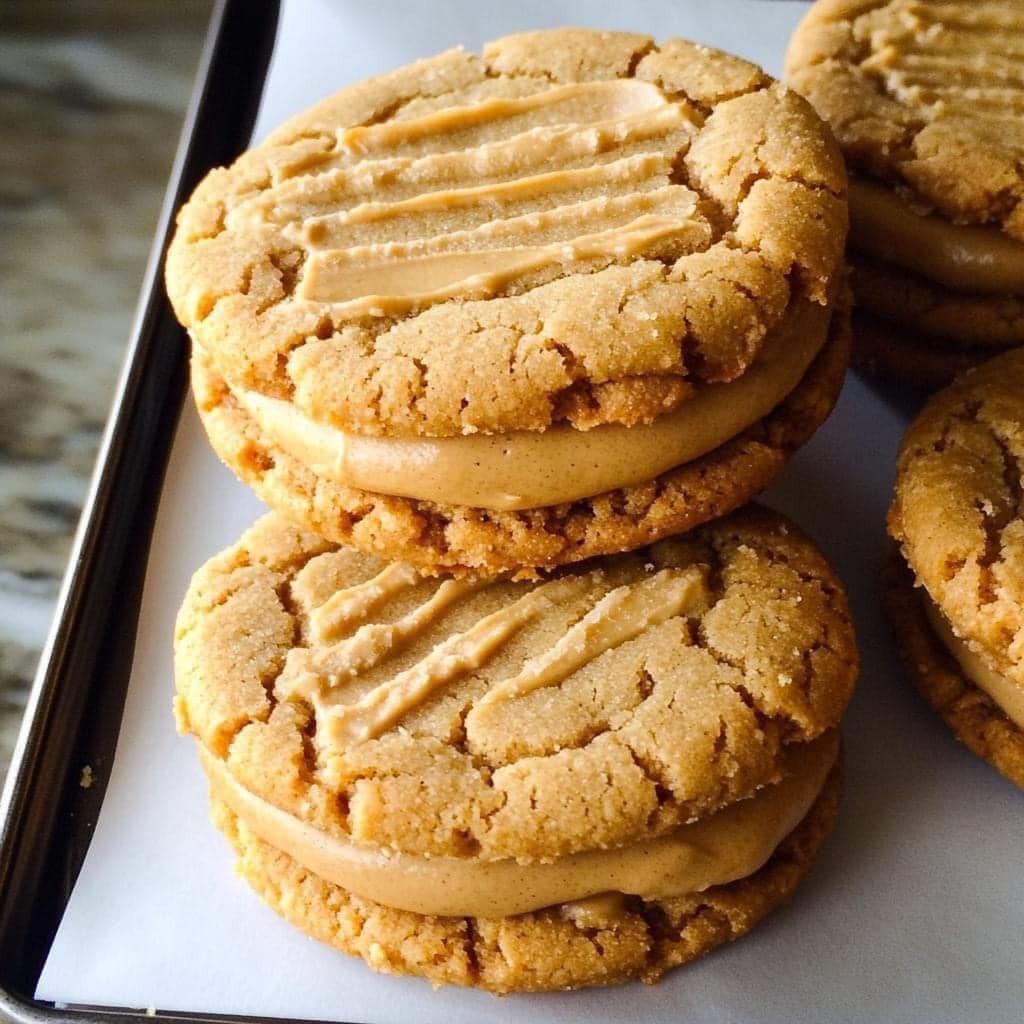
point(346, 721)
point(471, 202)
point(956, 60)
point(511, 718)
point(483, 245)
point(617, 617)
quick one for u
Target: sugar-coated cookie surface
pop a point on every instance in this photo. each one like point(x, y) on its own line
point(574, 226)
point(924, 94)
point(499, 767)
point(957, 508)
point(957, 516)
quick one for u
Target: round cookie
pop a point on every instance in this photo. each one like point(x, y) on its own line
point(957, 516)
point(455, 777)
point(511, 282)
point(928, 115)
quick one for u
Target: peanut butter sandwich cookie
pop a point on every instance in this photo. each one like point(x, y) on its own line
point(927, 102)
point(519, 309)
point(958, 516)
point(543, 784)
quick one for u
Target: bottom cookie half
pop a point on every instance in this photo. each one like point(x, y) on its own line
point(948, 319)
point(454, 538)
point(975, 719)
point(540, 951)
point(888, 352)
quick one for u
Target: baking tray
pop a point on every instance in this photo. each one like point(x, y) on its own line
point(74, 708)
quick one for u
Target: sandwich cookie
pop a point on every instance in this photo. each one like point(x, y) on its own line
point(530, 785)
point(927, 103)
point(954, 587)
point(520, 309)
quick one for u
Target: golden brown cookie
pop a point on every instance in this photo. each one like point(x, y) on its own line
point(927, 107)
point(510, 282)
point(509, 770)
point(957, 516)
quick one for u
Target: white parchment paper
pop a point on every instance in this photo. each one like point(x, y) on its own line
point(914, 910)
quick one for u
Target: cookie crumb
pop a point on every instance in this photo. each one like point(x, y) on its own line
point(85, 780)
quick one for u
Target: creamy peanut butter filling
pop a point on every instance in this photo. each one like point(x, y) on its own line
point(532, 469)
point(966, 258)
point(1008, 694)
point(730, 844)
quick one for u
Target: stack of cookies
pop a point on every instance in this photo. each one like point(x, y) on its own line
point(927, 102)
point(504, 692)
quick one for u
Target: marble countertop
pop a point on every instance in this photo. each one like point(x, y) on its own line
point(92, 97)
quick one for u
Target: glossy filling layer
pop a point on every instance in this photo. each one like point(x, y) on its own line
point(730, 844)
point(1004, 691)
point(965, 258)
point(533, 469)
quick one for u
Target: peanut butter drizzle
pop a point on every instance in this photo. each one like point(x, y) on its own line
point(349, 607)
point(1008, 694)
point(583, 101)
point(621, 615)
point(450, 207)
point(559, 223)
point(340, 725)
point(533, 189)
point(415, 284)
point(962, 257)
point(532, 152)
point(730, 844)
point(312, 673)
point(320, 675)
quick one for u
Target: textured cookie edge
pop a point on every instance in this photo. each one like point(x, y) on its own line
point(969, 713)
point(458, 539)
point(542, 951)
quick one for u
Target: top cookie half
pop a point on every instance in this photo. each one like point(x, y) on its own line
point(573, 227)
point(925, 95)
